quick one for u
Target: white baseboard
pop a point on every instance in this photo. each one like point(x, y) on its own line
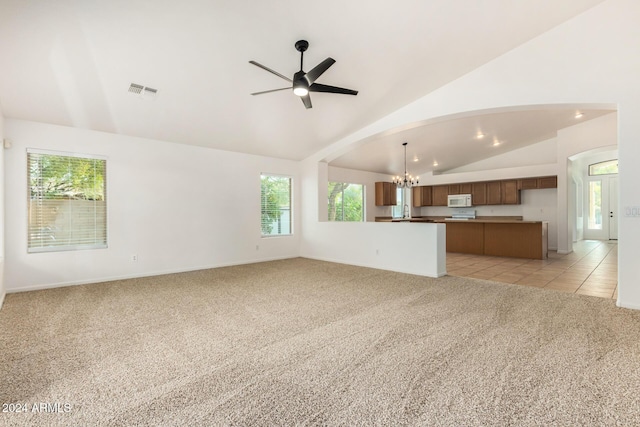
point(622, 304)
point(441, 274)
point(2, 299)
point(136, 276)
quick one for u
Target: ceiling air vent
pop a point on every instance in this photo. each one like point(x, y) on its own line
point(143, 91)
point(135, 88)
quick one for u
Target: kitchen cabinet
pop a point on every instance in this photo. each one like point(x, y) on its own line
point(465, 237)
point(528, 183)
point(526, 240)
point(464, 188)
point(538, 182)
point(494, 193)
point(440, 195)
point(501, 192)
point(385, 194)
point(479, 193)
point(421, 196)
point(515, 239)
point(548, 182)
point(510, 195)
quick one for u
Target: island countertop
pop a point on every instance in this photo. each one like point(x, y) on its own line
point(482, 220)
point(493, 236)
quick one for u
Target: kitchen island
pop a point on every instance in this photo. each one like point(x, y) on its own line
point(497, 236)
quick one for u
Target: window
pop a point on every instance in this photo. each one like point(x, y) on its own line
point(595, 205)
point(275, 205)
point(398, 210)
point(67, 202)
point(346, 202)
point(604, 168)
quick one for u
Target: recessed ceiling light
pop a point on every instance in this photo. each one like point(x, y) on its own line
point(480, 135)
point(579, 115)
point(496, 142)
point(435, 163)
point(416, 159)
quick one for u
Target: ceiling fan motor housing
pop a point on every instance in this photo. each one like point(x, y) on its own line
point(302, 45)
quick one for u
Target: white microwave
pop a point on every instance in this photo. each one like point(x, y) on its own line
point(459, 201)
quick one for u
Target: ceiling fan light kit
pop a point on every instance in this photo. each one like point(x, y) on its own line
point(303, 83)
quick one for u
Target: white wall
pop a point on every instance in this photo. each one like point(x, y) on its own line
point(597, 134)
point(177, 207)
point(580, 175)
point(592, 60)
point(2, 181)
point(408, 248)
point(541, 153)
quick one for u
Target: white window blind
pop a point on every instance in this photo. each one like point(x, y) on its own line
point(67, 202)
point(275, 205)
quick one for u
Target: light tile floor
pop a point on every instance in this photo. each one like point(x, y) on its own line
point(591, 269)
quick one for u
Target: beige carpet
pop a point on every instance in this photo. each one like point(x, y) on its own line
point(303, 342)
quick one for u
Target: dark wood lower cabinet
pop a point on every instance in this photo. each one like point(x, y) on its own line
point(506, 239)
point(466, 238)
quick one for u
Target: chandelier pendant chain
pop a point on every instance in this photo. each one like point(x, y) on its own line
point(407, 181)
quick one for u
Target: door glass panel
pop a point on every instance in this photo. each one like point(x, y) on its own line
point(595, 205)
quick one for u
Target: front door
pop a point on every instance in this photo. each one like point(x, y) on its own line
point(602, 208)
point(613, 208)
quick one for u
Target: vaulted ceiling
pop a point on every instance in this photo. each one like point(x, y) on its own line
point(71, 63)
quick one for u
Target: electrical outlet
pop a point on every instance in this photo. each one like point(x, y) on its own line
point(134, 258)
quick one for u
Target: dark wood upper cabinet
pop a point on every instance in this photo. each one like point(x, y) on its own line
point(548, 182)
point(528, 183)
point(385, 194)
point(538, 182)
point(479, 193)
point(465, 188)
point(501, 192)
point(440, 193)
point(494, 193)
point(421, 196)
point(510, 195)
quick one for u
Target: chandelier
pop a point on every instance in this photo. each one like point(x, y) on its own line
point(407, 181)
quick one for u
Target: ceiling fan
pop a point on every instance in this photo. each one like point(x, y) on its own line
point(302, 82)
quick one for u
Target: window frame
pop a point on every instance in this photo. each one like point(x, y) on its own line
point(363, 200)
point(33, 248)
point(601, 163)
point(290, 210)
point(397, 210)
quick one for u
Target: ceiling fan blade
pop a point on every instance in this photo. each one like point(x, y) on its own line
point(271, 71)
point(316, 87)
point(306, 100)
point(272, 90)
point(319, 69)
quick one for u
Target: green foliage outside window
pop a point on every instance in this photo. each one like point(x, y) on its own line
point(346, 202)
point(56, 177)
point(67, 202)
point(275, 201)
